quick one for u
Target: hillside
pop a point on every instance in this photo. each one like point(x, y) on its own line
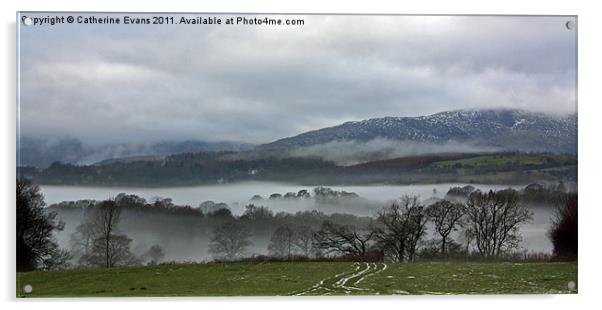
point(443, 147)
point(504, 130)
point(212, 168)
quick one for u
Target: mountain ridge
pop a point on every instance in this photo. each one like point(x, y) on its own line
point(475, 130)
point(507, 129)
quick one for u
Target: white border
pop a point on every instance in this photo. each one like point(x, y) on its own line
point(589, 147)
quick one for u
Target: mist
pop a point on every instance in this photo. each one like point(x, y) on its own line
point(41, 152)
point(351, 152)
point(184, 233)
point(186, 237)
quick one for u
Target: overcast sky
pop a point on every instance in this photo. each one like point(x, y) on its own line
point(124, 83)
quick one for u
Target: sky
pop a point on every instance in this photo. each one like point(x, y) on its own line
point(257, 83)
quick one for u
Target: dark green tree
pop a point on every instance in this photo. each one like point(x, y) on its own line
point(564, 230)
point(36, 245)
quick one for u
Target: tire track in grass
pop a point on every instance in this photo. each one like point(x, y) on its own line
point(384, 267)
point(339, 284)
point(374, 267)
point(360, 276)
point(321, 285)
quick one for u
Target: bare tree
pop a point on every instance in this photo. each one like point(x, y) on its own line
point(468, 237)
point(343, 239)
point(494, 219)
point(447, 217)
point(81, 242)
point(400, 227)
point(304, 240)
point(112, 254)
point(97, 239)
point(282, 242)
point(230, 241)
point(155, 254)
point(104, 225)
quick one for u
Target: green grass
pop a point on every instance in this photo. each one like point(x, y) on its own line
point(303, 278)
point(502, 160)
point(508, 168)
point(475, 278)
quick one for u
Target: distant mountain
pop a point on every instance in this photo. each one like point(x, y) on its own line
point(462, 131)
point(176, 147)
point(41, 152)
point(503, 130)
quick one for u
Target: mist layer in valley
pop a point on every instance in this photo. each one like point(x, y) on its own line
point(351, 152)
point(41, 152)
point(184, 233)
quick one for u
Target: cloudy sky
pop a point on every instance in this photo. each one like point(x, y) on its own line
point(125, 83)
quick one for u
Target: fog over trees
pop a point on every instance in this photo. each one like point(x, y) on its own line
point(98, 240)
point(155, 254)
point(230, 241)
point(282, 242)
point(129, 230)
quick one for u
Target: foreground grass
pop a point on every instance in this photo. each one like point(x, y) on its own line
point(215, 279)
point(304, 278)
point(474, 278)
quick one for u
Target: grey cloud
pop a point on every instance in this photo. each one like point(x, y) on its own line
point(257, 84)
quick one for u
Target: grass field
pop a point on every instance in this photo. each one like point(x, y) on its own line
point(508, 168)
point(507, 159)
point(304, 279)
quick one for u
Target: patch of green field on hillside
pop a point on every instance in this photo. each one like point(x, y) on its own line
point(501, 160)
point(304, 279)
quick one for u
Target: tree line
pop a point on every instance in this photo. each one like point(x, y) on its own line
point(217, 167)
point(491, 220)
point(485, 224)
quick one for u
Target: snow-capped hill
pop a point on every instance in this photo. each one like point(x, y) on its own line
point(512, 130)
